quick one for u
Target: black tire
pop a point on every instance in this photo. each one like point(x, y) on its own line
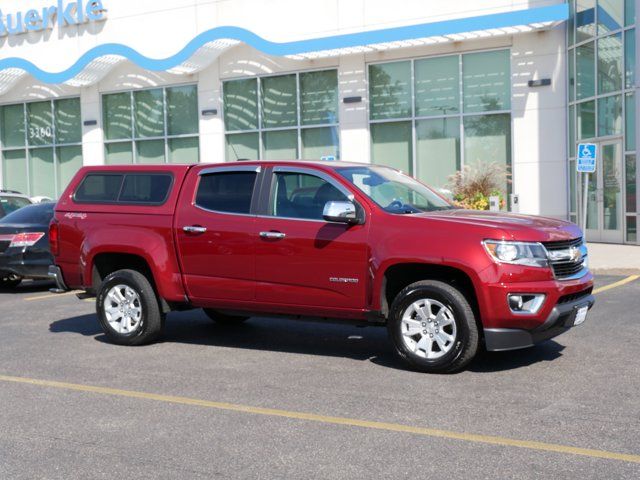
point(151, 320)
point(9, 281)
point(465, 345)
point(223, 319)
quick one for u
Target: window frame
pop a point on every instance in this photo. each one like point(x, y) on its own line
point(124, 175)
point(461, 114)
point(135, 138)
point(55, 145)
point(255, 194)
point(298, 127)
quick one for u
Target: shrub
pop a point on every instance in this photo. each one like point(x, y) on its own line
point(473, 185)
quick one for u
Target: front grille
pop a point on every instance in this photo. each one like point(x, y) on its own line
point(572, 297)
point(565, 268)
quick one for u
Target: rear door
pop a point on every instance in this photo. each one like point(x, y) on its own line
point(300, 258)
point(214, 225)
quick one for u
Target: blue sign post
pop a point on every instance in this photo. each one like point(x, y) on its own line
point(586, 164)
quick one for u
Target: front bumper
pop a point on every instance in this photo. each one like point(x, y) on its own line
point(560, 320)
point(55, 274)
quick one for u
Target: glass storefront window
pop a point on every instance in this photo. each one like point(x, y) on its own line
point(390, 90)
point(631, 183)
point(586, 119)
point(610, 15)
point(437, 150)
point(487, 139)
point(610, 115)
point(319, 97)
point(319, 142)
point(391, 145)
point(34, 160)
point(144, 126)
point(12, 118)
point(486, 85)
point(279, 101)
point(610, 63)
point(585, 71)
point(630, 121)
point(280, 144)
point(632, 230)
point(298, 114)
point(629, 12)
point(585, 19)
point(243, 146)
point(240, 99)
point(630, 57)
point(437, 86)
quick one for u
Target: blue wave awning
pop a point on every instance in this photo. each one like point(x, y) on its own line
point(93, 65)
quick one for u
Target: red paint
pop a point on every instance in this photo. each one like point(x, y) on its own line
point(318, 269)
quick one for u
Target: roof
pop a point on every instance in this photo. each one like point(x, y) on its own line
point(206, 47)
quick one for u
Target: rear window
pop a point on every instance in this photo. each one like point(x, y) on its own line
point(40, 214)
point(11, 204)
point(138, 188)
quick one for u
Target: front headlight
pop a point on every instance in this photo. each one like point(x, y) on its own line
point(517, 253)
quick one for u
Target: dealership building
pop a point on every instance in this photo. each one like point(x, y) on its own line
point(426, 87)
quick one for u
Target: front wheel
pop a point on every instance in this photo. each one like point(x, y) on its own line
point(433, 327)
point(9, 281)
point(128, 308)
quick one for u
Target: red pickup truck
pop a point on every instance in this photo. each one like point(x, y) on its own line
point(316, 240)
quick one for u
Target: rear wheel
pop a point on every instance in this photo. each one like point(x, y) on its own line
point(9, 280)
point(218, 317)
point(433, 327)
point(128, 308)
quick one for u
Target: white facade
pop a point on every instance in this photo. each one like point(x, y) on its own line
point(159, 29)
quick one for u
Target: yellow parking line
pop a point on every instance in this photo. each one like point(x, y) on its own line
point(50, 295)
point(344, 421)
point(624, 281)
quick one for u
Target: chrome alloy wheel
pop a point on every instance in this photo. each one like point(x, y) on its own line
point(428, 328)
point(123, 309)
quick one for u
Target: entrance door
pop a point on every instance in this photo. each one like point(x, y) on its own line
point(605, 206)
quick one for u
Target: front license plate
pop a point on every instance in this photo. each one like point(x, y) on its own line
point(581, 316)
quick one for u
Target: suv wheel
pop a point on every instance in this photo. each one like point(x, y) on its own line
point(9, 280)
point(433, 328)
point(128, 308)
point(223, 319)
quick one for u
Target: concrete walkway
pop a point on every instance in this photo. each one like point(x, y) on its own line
point(611, 259)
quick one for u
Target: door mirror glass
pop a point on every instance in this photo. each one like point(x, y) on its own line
point(340, 212)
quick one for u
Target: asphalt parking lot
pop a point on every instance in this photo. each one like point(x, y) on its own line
point(283, 399)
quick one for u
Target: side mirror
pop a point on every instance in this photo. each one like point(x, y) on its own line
point(340, 212)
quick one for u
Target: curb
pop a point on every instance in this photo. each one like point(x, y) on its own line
point(615, 271)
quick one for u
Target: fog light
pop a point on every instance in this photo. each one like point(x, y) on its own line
point(526, 303)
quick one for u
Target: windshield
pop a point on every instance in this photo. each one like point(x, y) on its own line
point(393, 191)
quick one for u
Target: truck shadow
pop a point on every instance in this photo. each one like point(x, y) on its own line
point(307, 338)
point(29, 286)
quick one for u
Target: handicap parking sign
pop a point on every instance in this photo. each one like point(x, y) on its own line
point(586, 160)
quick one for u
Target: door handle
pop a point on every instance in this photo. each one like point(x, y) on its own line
point(276, 235)
point(194, 229)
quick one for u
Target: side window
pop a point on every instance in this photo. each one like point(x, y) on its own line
point(300, 195)
point(228, 192)
point(99, 188)
point(145, 189)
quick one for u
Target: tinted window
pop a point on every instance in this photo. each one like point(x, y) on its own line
point(99, 188)
point(11, 204)
point(137, 188)
point(145, 188)
point(40, 214)
point(298, 195)
point(226, 191)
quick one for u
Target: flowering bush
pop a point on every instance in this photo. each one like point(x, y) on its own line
point(473, 185)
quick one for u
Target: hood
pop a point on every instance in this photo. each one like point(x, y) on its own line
point(513, 226)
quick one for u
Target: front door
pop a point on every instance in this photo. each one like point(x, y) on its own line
point(302, 260)
point(604, 199)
